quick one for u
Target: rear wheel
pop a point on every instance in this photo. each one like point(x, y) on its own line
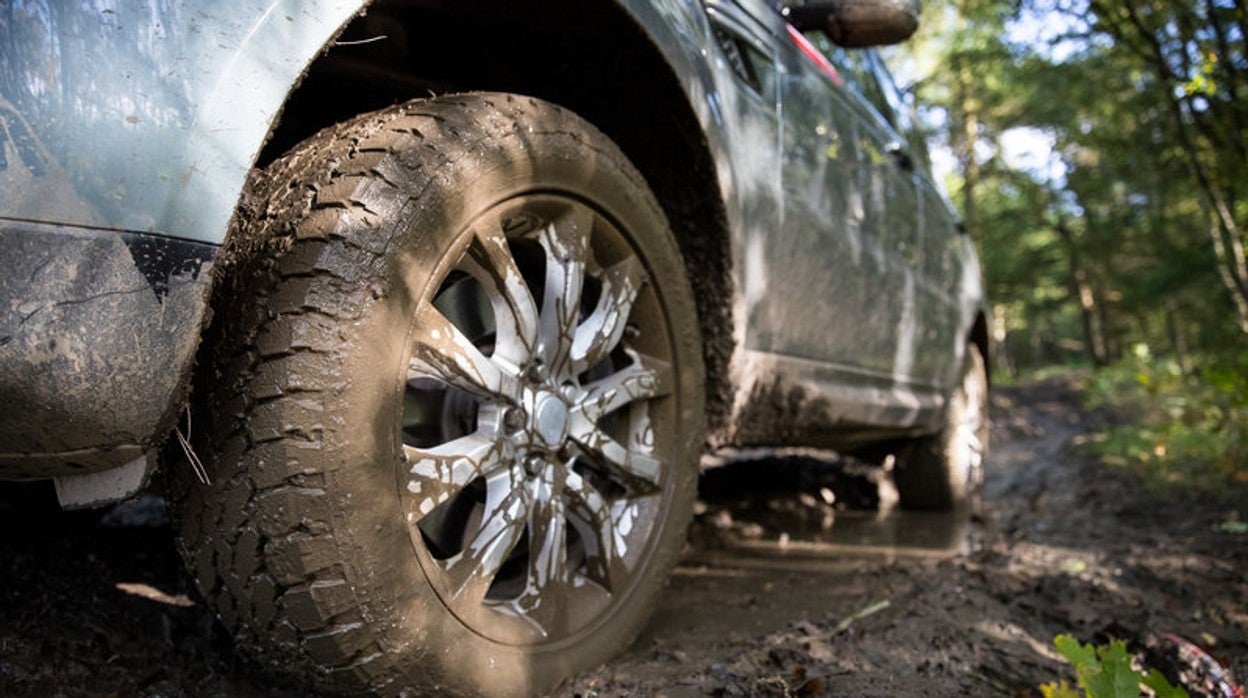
point(945, 471)
point(454, 417)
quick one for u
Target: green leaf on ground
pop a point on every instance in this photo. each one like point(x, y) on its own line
point(1106, 672)
point(1161, 687)
point(1114, 678)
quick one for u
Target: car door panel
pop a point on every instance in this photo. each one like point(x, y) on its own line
point(833, 295)
point(846, 199)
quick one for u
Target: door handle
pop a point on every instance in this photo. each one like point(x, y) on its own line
point(900, 155)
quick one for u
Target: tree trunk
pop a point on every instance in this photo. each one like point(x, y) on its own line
point(1084, 295)
point(1178, 336)
point(1225, 232)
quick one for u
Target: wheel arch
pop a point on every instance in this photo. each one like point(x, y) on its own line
point(627, 71)
point(981, 339)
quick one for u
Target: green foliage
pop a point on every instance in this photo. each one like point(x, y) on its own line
point(1134, 229)
point(1183, 429)
point(1106, 672)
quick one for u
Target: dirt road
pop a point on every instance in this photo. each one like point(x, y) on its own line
point(782, 591)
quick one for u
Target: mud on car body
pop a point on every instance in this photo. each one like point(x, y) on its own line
point(426, 310)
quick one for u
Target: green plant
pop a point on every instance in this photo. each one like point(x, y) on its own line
point(1106, 671)
point(1183, 429)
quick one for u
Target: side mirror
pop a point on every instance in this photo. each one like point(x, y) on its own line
point(858, 23)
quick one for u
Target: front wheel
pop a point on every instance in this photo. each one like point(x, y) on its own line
point(454, 416)
point(945, 471)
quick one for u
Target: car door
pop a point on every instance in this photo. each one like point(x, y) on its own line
point(745, 47)
point(843, 256)
point(932, 337)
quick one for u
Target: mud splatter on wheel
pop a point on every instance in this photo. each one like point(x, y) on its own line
point(454, 416)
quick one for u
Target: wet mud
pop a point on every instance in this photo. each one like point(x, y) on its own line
point(799, 582)
point(798, 579)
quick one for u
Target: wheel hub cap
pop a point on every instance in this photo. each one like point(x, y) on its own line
point(550, 421)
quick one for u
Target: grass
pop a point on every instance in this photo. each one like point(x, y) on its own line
point(1178, 431)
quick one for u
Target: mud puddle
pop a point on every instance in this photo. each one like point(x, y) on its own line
point(882, 536)
point(806, 508)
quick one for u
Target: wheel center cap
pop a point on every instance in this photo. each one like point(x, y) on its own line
point(550, 420)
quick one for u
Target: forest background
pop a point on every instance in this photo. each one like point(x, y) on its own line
point(1098, 151)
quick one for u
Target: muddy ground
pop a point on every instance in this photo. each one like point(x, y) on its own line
point(794, 583)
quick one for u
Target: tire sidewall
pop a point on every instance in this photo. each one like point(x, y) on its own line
point(490, 165)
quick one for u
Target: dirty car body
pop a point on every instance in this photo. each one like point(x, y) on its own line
point(836, 296)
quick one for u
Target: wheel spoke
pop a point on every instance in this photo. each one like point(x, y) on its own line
point(596, 527)
point(638, 470)
point(443, 352)
point(439, 473)
point(515, 311)
point(566, 244)
point(604, 327)
point(470, 573)
point(645, 378)
point(547, 586)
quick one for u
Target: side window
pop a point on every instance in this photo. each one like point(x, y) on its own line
point(857, 74)
point(902, 114)
point(893, 104)
point(867, 75)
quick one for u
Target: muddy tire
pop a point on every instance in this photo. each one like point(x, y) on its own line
point(945, 471)
point(452, 405)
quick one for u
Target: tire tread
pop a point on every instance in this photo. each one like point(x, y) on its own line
point(298, 267)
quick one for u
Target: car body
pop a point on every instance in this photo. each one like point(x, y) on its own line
point(130, 132)
point(837, 297)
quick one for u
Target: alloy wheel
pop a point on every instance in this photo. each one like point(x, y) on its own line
point(534, 470)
